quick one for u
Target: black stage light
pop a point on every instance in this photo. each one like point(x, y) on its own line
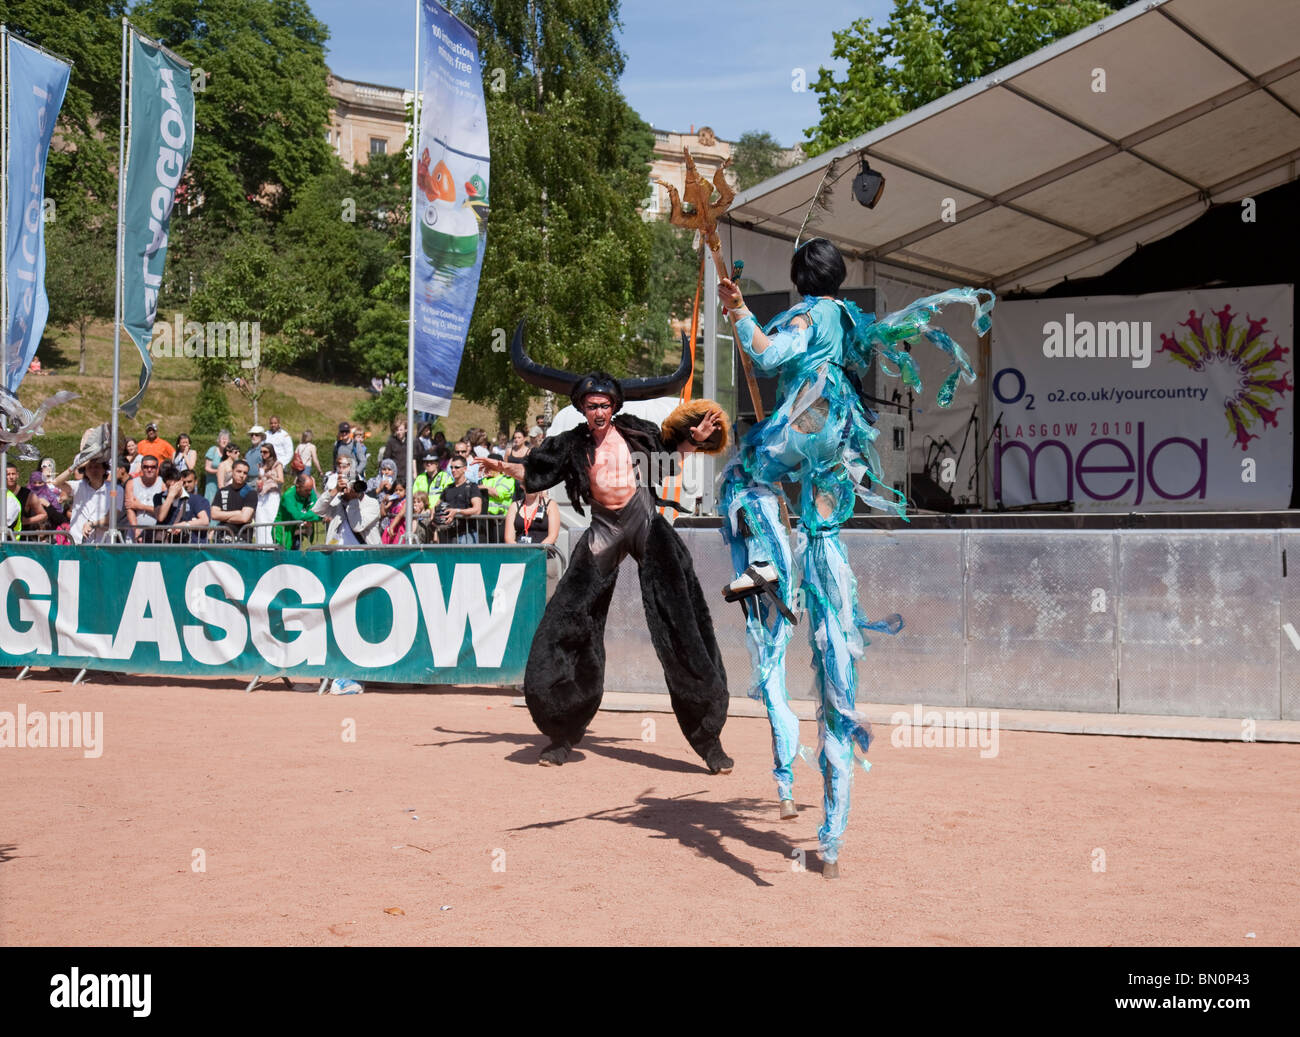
point(868, 185)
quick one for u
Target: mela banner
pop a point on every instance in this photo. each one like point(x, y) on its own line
point(451, 203)
point(1176, 400)
point(35, 86)
point(161, 139)
point(437, 616)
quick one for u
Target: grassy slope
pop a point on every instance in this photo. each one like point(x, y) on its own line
point(300, 402)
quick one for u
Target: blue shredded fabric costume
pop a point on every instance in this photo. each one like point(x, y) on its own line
point(821, 437)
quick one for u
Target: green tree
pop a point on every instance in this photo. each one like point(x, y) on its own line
point(249, 284)
point(674, 272)
point(83, 155)
point(755, 158)
point(342, 235)
point(927, 49)
point(264, 104)
point(566, 246)
point(80, 265)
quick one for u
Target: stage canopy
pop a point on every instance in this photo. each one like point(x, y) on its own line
point(1053, 177)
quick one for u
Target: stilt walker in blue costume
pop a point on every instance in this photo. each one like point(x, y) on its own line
point(820, 436)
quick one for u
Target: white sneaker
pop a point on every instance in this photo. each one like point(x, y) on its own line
point(746, 581)
point(344, 686)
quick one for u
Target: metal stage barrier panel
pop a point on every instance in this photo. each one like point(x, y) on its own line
point(1289, 665)
point(1176, 622)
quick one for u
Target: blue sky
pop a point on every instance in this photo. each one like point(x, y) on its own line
point(727, 65)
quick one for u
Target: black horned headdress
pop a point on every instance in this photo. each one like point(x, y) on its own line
point(577, 386)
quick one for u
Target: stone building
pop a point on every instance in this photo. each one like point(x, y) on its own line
point(368, 119)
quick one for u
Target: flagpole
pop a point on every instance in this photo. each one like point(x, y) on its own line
point(4, 267)
point(410, 321)
point(117, 304)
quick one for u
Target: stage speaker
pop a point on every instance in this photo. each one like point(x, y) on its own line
point(765, 306)
point(892, 446)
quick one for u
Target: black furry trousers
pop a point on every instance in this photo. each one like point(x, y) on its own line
point(565, 677)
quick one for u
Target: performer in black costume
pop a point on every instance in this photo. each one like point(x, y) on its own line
point(603, 463)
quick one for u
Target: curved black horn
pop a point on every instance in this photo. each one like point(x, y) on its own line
point(534, 373)
point(664, 384)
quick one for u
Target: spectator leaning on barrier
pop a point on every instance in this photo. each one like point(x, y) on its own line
point(236, 503)
point(212, 462)
point(432, 480)
point(185, 511)
point(88, 515)
point(421, 518)
point(460, 506)
point(353, 516)
point(144, 495)
point(296, 506)
point(281, 442)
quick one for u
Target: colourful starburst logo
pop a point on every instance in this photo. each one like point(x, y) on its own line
point(1255, 382)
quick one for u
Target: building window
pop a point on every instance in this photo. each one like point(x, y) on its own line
point(651, 204)
point(378, 146)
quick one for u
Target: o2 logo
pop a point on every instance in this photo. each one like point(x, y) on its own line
point(1020, 393)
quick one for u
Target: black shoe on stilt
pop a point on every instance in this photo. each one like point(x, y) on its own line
point(555, 754)
point(718, 761)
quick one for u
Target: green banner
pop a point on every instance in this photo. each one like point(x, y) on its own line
point(161, 139)
point(443, 615)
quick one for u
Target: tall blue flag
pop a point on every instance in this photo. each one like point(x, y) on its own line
point(451, 202)
point(36, 84)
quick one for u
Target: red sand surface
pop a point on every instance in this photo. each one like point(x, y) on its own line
point(308, 839)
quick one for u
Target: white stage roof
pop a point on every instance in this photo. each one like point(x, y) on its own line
point(1052, 178)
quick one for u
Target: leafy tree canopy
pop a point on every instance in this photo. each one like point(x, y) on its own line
point(755, 158)
point(566, 246)
point(927, 49)
point(260, 117)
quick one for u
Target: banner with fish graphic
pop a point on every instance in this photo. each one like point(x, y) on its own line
point(451, 203)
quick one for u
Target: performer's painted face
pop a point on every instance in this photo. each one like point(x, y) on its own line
point(598, 409)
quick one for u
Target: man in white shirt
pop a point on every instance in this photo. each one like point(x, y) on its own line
point(281, 442)
point(353, 516)
point(88, 512)
point(144, 494)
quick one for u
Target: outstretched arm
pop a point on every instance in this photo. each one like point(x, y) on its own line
point(752, 337)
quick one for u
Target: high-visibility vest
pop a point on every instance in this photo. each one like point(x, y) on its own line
point(501, 491)
point(433, 487)
point(15, 513)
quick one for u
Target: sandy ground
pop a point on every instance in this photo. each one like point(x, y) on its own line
point(216, 817)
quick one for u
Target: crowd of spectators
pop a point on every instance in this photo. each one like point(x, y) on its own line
point(267, 492)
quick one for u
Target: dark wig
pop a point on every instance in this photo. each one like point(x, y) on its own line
point(817, 268)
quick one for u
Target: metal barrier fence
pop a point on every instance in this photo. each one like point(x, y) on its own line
point(1175, 622)
point(479, 529)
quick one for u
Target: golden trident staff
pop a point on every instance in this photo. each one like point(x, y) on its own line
point(694, 210)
